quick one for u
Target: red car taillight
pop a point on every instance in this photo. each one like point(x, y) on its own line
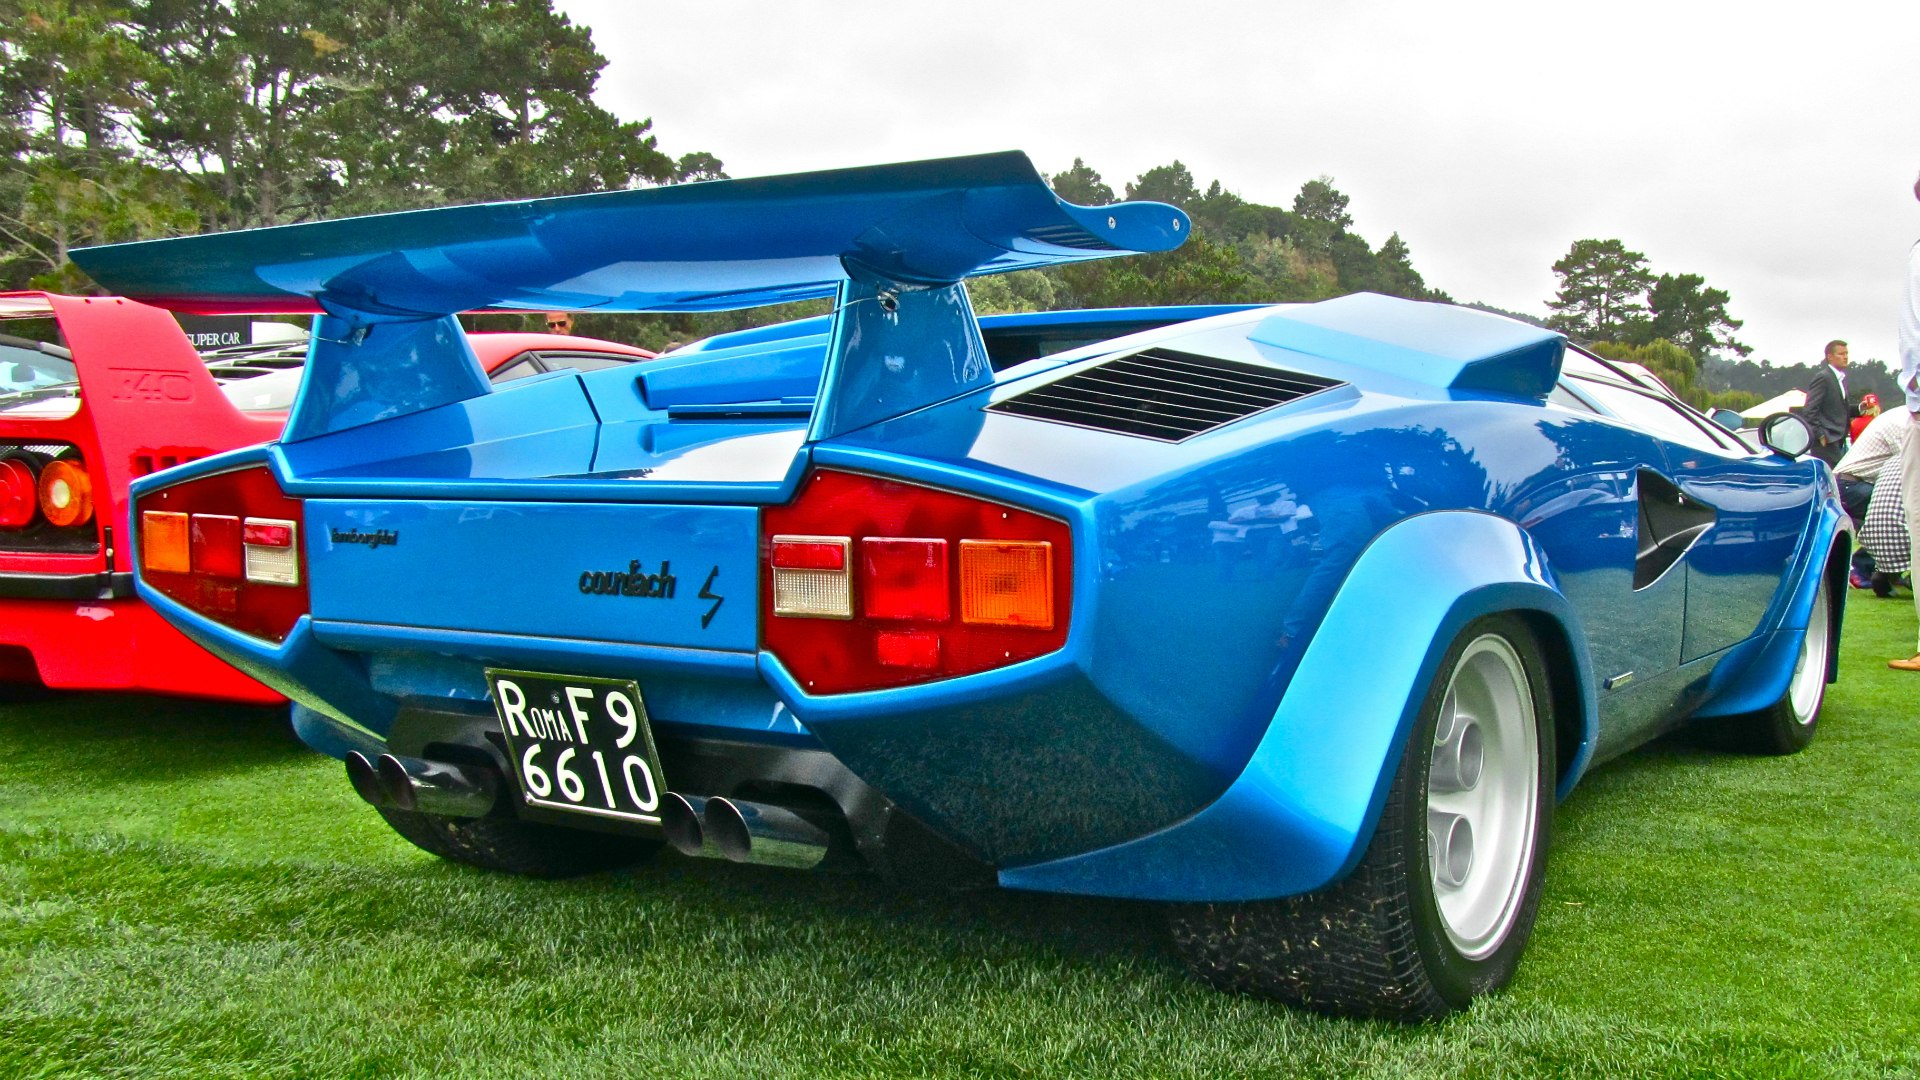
point(66, 494)
point(46, 483)
point(870, 583)
point(19, 498)
point(228, 547)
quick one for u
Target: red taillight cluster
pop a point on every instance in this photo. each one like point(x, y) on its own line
point(228, 547)
point(871, 583)
point(59, 491)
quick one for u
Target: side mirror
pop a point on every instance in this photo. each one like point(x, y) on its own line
point(1785, 433)
point(1727, 418)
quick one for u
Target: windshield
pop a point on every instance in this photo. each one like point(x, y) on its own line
point(36, 377)
point(264, 393)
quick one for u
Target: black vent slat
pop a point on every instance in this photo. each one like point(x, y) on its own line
point(1118, 399)
point(1163, 395)
point(1130, 384)
point(1283, 382)
point(1072, 236)
point(1121, 413)
point(1149, 428)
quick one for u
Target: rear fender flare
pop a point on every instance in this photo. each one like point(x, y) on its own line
point(1302, 812)
point(1754, 674)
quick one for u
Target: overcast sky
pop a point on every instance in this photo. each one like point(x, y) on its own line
point(1770, 148)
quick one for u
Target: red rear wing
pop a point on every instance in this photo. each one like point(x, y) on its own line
point(153, 402)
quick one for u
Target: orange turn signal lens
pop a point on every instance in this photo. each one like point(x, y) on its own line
point(1007, 583)
point(166, 545)
point(66, 494)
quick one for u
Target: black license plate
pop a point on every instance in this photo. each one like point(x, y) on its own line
point(579, 744)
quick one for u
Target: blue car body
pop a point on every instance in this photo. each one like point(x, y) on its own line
point(1257, 604)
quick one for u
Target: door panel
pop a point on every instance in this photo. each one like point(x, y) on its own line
point(1736, 568)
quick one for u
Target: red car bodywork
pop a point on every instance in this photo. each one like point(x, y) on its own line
point(69, 619)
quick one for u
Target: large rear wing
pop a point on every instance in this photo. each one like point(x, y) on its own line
point(892, 242)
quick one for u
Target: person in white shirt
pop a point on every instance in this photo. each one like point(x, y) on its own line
point(1858, 472)
point(1910, 383)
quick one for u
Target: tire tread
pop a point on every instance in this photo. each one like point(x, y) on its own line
point(1348, 949)
point(1355, 947)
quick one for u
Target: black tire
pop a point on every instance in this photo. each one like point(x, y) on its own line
point(24, 693)
point(499, 842)
point(1787, 726)
point(1375, 942)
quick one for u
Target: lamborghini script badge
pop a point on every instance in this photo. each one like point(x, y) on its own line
point(632, 581)
point(373, 539)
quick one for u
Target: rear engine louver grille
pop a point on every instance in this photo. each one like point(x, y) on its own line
point(1164, 395)
point(1072, 236)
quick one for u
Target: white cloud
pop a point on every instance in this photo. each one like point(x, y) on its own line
point(1771, 150)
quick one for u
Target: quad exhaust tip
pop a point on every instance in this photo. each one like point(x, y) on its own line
point(681, 816)
point(422, 786)
point(733, 829)
point(743, 832)
point(365, 780)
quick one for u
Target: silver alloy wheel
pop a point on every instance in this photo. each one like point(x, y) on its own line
point(1809, 681)
point(1482, 791)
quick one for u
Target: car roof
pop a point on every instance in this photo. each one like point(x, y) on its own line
point(493, 348)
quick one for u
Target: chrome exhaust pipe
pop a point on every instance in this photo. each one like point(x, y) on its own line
point(681, 817)
point(427, 787)
point(749, 832)
point(366, 782)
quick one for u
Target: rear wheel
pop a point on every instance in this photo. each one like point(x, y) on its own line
point(1440, 907)
point(499, 842)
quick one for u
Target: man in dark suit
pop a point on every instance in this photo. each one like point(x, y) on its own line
point(1826, 408)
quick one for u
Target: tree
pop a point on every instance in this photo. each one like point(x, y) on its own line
point(1215, 211)
point(1319, 200)
point(1197, 272)
point(1022, 290)
point(1389, 270)
point(1239, 251)
point(128, 119)
point(1674, 365)
point(71, 79)
point(698, 165)
point(1397, 275)
point(1321, 220)
point(1684, 311)
point(1081, 185)
point(1285, 272)
point(298, 108)
point(1166, 183)
point(1601, 286)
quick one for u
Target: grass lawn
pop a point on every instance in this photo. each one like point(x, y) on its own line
point(185, 891)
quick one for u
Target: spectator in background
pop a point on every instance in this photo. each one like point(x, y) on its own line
point(1826, 407)
point(1869, 408)
point(1910, 383)
point(559, 322)
point(1884, 530)
point(1874, 457)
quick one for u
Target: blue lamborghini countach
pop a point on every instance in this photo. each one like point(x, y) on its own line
point(1297, 619)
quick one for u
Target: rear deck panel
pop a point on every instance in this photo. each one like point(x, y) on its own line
point(680, 576)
